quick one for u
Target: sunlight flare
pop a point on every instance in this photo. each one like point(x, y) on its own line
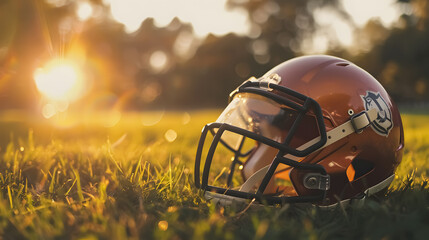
point(59, 81)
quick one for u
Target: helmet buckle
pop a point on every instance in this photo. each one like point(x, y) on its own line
point(359, 122)
point(264, 82)
point(317, 181)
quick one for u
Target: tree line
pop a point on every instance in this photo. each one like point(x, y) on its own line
point(170, 68)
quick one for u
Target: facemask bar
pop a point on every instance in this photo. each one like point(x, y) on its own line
point(237, 152)
point(222, 127)
point(260, 88)
point(237, 155)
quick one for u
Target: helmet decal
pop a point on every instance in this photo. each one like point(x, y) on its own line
point(383, 124)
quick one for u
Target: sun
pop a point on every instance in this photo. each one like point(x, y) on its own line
point(59, 80)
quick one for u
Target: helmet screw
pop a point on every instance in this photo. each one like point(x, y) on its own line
point(311, 181)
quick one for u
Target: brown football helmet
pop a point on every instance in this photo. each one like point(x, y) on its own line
point(313, 129)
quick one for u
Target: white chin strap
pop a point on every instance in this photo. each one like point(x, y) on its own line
point(356, 124)
point(370, 191)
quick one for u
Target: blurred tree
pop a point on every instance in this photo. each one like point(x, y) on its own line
point(8, 27)
point(170, 68)
point(160, 51)
point(279, 27)
point(20, 31)
point(405, 53)
point(399, 57)
point(222, 63)
point(218, 67)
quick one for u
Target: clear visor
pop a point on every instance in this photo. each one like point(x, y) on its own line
point(256, 114)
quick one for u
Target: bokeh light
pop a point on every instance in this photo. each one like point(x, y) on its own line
point(152, 118)
point(158, 61)
point(111, 118)
point(186, 118)
point(151, 91)
point(163, 225)
point(49, 110)
point(84, 11)
point(170, 135)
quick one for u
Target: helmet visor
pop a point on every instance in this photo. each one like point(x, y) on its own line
point(264, 117)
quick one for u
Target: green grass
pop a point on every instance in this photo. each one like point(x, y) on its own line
point(81, 180)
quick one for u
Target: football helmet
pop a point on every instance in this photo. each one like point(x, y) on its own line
point(315, 129)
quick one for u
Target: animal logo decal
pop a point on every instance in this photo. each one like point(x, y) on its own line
point(383, 124)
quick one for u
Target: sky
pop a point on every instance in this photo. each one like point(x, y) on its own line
point(211, 16)
point(361, 11)
point(206, 16)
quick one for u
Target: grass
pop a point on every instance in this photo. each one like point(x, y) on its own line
point(75, 178)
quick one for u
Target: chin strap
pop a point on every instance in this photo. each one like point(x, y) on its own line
point(355, 125)
point(370, 191)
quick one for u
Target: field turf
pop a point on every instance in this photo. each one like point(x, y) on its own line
point(110, 176)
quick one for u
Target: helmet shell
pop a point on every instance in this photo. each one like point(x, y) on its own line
point(342, 89)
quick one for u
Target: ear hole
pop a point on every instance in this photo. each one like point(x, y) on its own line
point(350, 173)
point(358, 168)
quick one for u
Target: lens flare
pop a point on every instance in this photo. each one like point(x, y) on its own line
point(59, 81)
